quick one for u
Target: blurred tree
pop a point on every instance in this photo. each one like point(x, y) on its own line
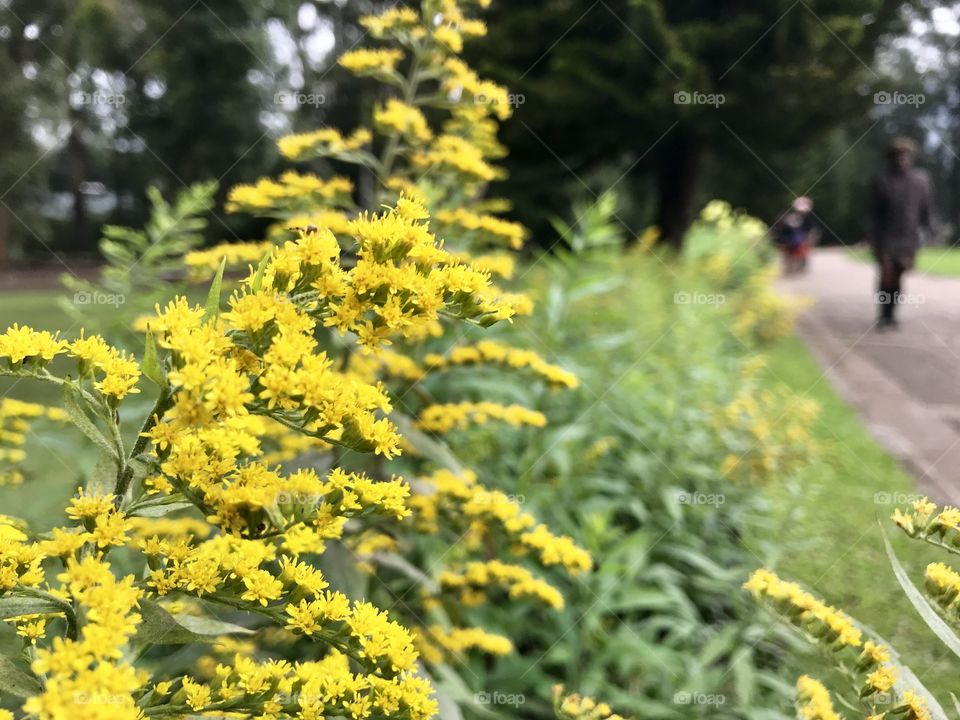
point(657, 87)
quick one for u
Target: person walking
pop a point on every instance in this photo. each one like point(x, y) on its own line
point(795, 233)
point(902, 204)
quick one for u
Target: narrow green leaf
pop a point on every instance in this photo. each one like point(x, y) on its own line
point(339, 566)
point(71, 403)
point(432, 449)
point(212, 308)
point(209, 627)
point(14, 681)
point(920, 603)
point(159, 627)
point(155, 510)
point(261, 269)
point(17, 605)
point(151, 362)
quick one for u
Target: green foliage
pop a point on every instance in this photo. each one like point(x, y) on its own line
point(141, 263)
point(600, 87)
point(630, 467)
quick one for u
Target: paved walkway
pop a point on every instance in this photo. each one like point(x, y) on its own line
point(905, 383)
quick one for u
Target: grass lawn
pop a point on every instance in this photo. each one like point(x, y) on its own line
point(934, 260)
point(825, 524)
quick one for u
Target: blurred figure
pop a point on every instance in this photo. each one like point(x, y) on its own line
point(902, 204)
point(795, 233)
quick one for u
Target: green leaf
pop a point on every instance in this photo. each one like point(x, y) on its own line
point(261, 269)
point(103, 478)
point(212, 308)
point(14, 681)
point(151, 362)
point(919, 602)
point(160, 506)
point(71, 403)
point(432, 449)
point(406, 568)
point(339, 567)
point(17, 605)
point(159, 627)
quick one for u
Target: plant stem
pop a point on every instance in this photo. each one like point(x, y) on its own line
point(125, 473)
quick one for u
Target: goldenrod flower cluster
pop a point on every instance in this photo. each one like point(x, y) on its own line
point(16, 419)
point(929, 522)
point(442, 418)
point(460, 498)
point(727, 256)
point(113, 372)
point(86, 671)
point(233, 490)
point(365, 61)
point(292, 193)
point(406, 120)
point(518, 582)
point(577, 707)
point(491, 352)
point(203, 264)
point(772, 433)
point(324, 141)
point(488, 228)
point(821, 621)
point(813, 700)
point(437, 644)
point(864, 662)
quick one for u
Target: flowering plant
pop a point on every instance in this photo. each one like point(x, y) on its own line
point(260, 493)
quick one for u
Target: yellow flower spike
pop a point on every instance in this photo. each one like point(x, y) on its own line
point(364, 61)
point(880, 680)
point(813, 700)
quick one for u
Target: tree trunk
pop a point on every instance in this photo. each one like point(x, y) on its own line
point(77, 173)
point(4, 236)
point(677, 179)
